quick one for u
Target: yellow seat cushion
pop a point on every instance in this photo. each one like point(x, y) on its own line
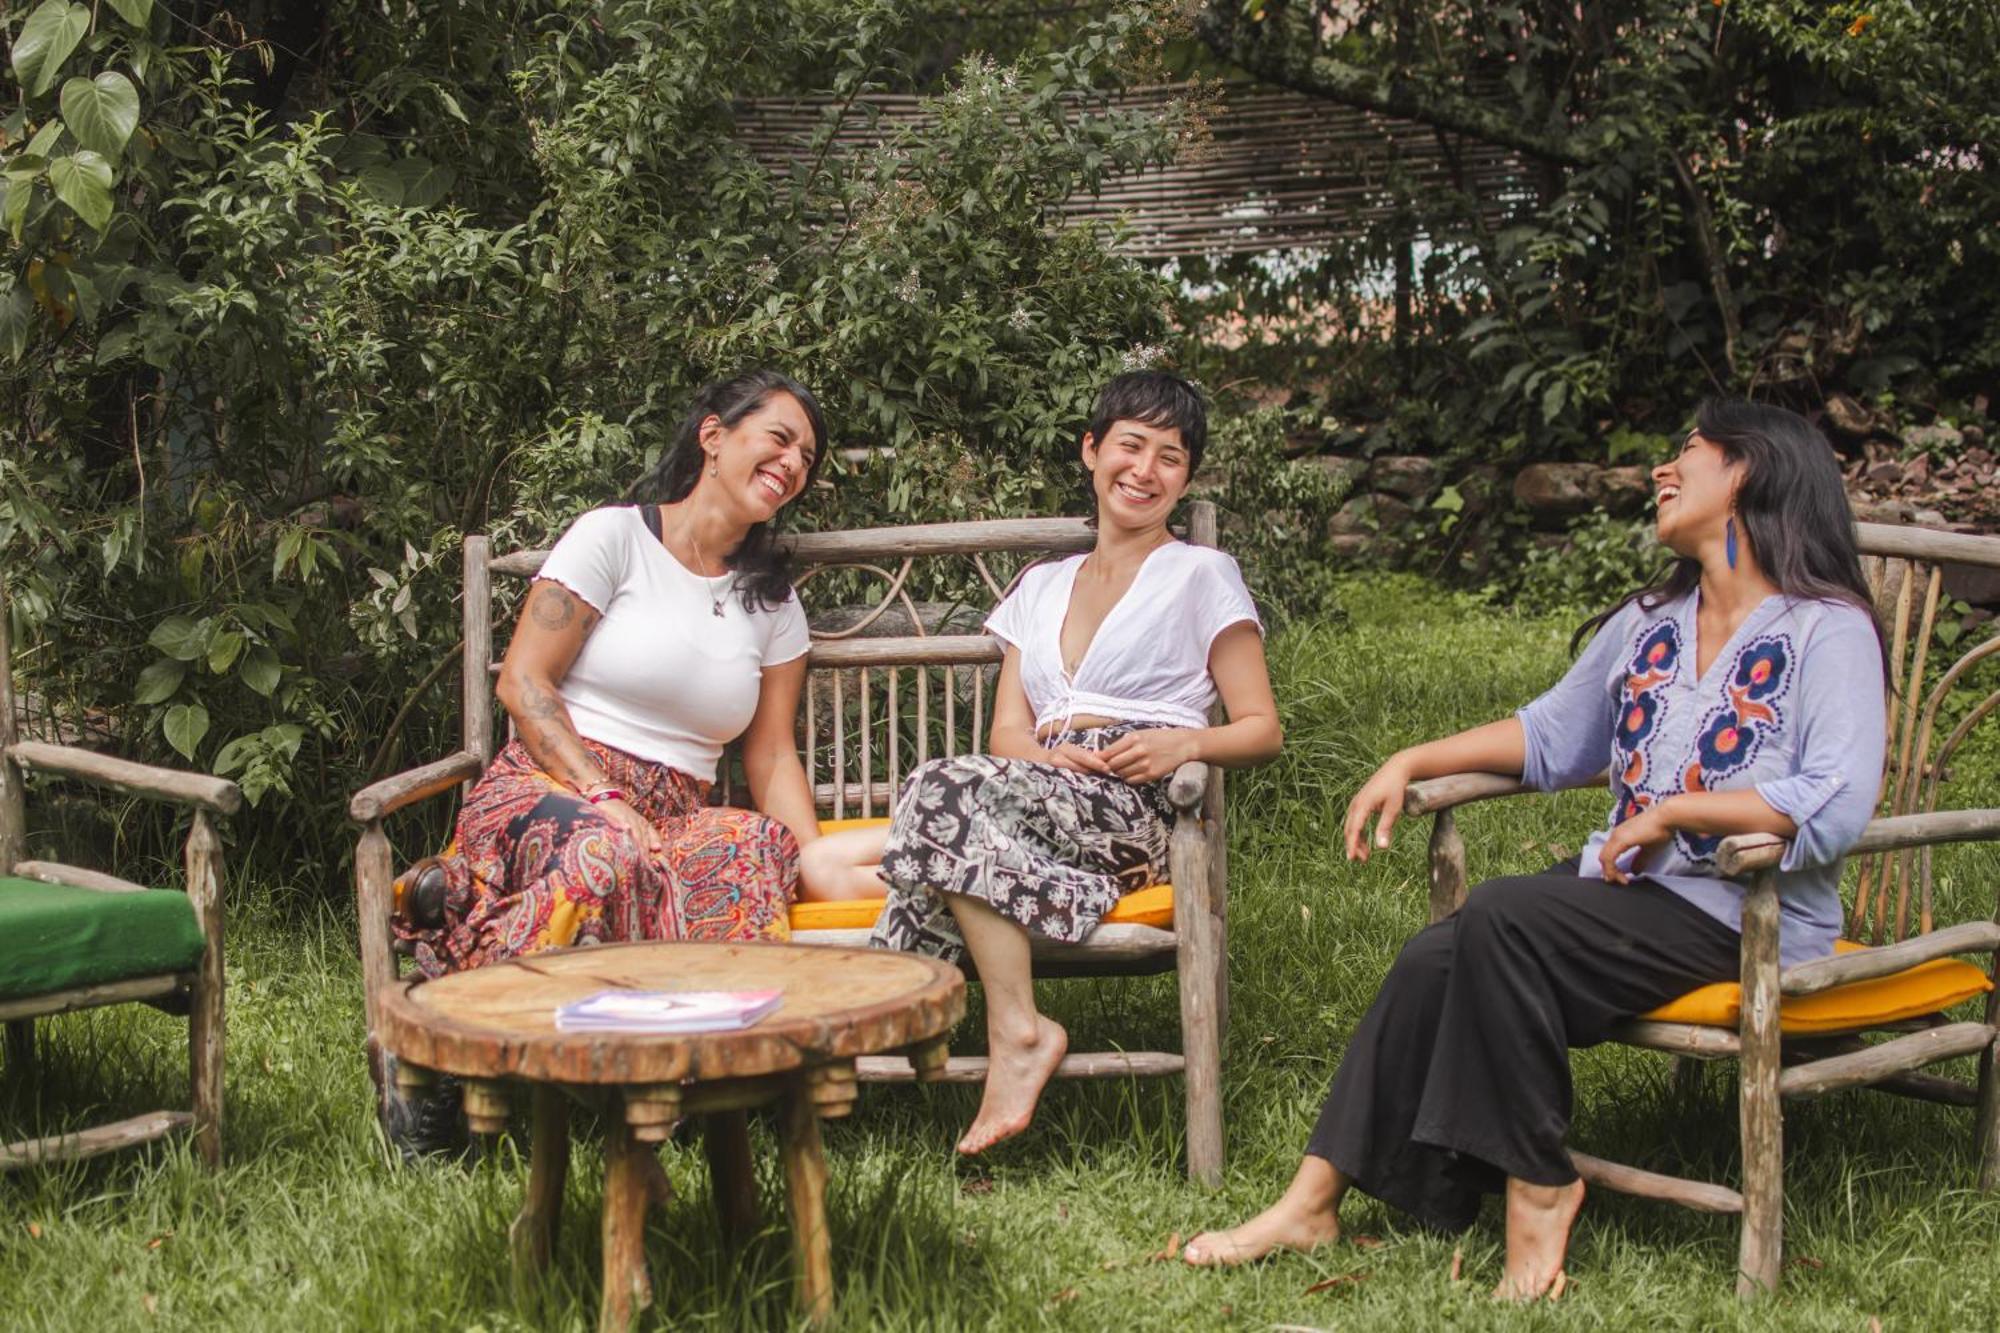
point(1926, 988)
point(1152, 906)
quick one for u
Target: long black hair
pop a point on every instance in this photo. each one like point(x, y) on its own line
point(1791, 504)
point(764, 568)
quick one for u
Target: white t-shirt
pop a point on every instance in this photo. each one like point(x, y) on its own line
point(661, 675)
point(1149, 659)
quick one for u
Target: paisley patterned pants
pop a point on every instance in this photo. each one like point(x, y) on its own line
point(534, 866)
point(1047, 847)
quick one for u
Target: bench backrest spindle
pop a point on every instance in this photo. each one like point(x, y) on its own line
point(1904, 566)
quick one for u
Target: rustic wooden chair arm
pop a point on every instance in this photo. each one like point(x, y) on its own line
point(1431, 796)
point(379, 799)
point(1749, 852)
point(1863, 965)
point(165, 784)
point(1187, 786)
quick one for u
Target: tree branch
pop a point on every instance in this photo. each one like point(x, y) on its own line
point(1712, 257)
point(1290, 59)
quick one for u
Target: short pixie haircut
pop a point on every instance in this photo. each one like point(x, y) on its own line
point(1156, 398)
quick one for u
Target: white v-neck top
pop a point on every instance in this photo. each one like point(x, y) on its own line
point(1149, 659)
point(663, 675)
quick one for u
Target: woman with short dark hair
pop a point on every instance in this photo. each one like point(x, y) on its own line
point(1741, 694)
point(1113, 660)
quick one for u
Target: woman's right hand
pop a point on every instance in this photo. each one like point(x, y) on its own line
point(1074, 757)
point(623, 815)
point(1381, 797)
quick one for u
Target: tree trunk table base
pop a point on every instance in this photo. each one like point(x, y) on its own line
point(495, 1029)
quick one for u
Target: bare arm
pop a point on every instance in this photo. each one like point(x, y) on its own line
point(547, 637)
point(1497, 747)
point(1719, 813)
point(549, 633)
point(1251, 736)
point(771, 754)
point(1012, 735)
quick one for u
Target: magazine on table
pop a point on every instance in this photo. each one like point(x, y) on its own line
point(667, 1011)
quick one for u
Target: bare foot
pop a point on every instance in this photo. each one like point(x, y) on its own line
point(1287, 1224)
point(1538, 1222)
point(1015, 1078)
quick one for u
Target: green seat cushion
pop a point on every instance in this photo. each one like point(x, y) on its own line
point(54, 937)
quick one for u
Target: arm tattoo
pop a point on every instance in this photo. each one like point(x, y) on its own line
point(553, 608)
point(537, 702)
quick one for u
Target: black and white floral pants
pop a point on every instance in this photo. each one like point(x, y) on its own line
point(1047, 847)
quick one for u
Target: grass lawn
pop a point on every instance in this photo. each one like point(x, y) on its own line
point(310, 1227)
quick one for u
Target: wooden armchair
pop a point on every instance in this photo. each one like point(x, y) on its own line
point(1804, 1030)
point(876, 706)
point(72, 938)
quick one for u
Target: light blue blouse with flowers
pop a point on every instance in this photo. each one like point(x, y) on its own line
point(1792, 705)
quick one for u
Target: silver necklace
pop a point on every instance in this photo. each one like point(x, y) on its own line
point(715, 600)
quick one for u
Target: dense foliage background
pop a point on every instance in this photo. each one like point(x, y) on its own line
point(297, 292)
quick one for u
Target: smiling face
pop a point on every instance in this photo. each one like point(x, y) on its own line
point(1138, 473)
point(1695, 493)
point(763, 461)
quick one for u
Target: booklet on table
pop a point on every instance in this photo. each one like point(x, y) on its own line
point(667, 1011)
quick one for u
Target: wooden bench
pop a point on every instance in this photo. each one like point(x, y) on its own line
point(72, 938)
point(1802, 1031)
point(877, 705)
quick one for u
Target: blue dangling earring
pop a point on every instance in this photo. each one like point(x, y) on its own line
point(1729, 541)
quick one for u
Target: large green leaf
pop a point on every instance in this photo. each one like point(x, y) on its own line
point(101, 112)
point(222, 650)
point(17, 314)
point(383, 184)
point(424, 182)
point(135, 12)
point(185, 725)
point(260, 670)
point(158, 682)
point(46, 40)
point(178, 637)
point(83, 181)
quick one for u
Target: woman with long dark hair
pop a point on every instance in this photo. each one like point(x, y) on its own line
point(1741, 694)
point(653, 636)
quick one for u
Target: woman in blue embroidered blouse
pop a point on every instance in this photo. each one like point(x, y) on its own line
point(1742, 694)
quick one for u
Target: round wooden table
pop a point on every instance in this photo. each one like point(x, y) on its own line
point(494, 1027)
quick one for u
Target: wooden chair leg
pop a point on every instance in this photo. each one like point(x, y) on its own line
point(732, 1174)
point(1201, 1048)
point(532, 1237)
point(205, 1020)
point(628, 1190)
point(1199, 942)
point(805, 1196)
point(1986, 1124)
point(1689, 1075)
point(1762, 1118)
point(20, 1048)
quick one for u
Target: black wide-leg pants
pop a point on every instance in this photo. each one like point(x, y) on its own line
point(1458, 1075)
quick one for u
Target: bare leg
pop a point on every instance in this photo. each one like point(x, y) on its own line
point(1538, 1223)
point(1024, 1047)
point(843, 865)
point(1308, 1215)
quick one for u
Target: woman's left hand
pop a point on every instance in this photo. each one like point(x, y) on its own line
point(1145, 756)
point(1646, 830)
